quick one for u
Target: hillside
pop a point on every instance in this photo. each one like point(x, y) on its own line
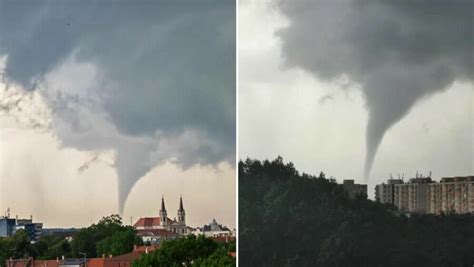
point(292, 219)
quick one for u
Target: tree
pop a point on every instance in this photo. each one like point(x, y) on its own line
point(84, 241)
point(6, 249)
point(292, 219)
point(108, 236)
point(21, 242)
point(119, 242)
point(219, 258)
point(51, 247)
point(62, 248)
point(187, 251)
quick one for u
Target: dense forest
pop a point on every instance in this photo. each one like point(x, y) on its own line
point(292, 219)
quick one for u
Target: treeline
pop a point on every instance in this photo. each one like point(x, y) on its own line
point(109, 236)
point(292, 219)
point(189, 251)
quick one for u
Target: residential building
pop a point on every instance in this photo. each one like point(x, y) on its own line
point(452, 194)
point(30, 262)
point(214, 229)
point(354, 189)
point(412, 196)
point(435, 202)
point(73, 263)
point(156, 236)
point(385, 193)
point(423, 195)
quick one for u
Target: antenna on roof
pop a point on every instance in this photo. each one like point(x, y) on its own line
point(391, 176)
point(430, 174)
point(416, 173)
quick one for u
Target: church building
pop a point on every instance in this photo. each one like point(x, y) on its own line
point(163, 223)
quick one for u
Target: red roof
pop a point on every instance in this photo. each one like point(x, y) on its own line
point(143, 249)
point(19, 262)
point(150, 222)
point(147, 222)
point(126, 257)
point(120, 260)
point(32, 263)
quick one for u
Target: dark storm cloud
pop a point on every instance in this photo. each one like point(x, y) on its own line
point(399, 51)
point(169, 67)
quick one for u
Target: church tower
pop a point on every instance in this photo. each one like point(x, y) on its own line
point(181, 213)
point(163, 213)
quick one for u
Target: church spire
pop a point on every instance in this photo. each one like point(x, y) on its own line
point(163, 213)
point(163, 204)
point(181, 204)
point(181, 213)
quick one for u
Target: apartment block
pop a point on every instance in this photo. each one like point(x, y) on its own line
point(422, 195)
point(412, 196)
point(452, 194)
point(385, 193)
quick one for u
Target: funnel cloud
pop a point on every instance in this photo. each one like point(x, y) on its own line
point(152, 81)
point(399, 52)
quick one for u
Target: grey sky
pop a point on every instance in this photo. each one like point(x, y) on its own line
point(316, 72)
point(152, 81)
point(399, 52)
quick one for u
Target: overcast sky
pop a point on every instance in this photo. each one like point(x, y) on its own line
point(312, 74)
point(107, 106)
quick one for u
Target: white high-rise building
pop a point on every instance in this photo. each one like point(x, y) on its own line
point(385, 193)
